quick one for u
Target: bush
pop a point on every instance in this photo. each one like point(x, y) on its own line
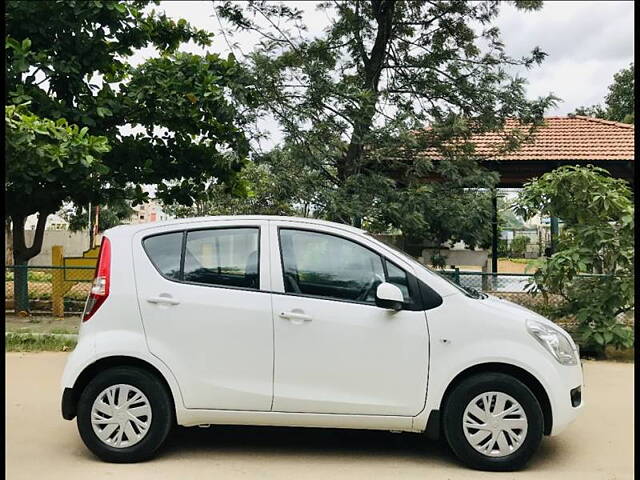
point(519, 246)
point(503, 248)
point(597, 211)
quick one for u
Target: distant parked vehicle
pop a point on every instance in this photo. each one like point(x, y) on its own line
point(262, 320)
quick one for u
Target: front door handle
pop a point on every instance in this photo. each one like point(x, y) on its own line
point(296, 317)
point(162, 300)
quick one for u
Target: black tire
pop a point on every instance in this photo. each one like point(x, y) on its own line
point(456, 403)
point(162, 418)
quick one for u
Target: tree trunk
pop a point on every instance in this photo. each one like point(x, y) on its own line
point(350, 163)
point(21, 256)
point(8, 237)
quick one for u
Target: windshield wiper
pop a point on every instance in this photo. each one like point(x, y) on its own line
point(475, 293)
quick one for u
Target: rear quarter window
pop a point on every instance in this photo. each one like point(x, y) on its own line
point(164, 251)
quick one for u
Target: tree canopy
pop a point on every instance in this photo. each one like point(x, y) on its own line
point(47, 163)
point(387, 81)
point(174, 121)
point(619, 104)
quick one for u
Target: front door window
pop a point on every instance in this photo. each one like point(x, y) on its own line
point(329, 266)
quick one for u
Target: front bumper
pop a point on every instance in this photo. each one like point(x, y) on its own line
point(567, 402)
point(576, 396)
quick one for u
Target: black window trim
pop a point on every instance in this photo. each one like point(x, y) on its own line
point(183, 249)
point(416, 286)
point(414, 290)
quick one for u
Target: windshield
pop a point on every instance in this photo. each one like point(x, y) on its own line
point(468, 291)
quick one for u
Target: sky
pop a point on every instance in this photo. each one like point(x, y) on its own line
point(586, 42)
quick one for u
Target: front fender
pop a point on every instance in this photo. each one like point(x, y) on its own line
point(447, 365)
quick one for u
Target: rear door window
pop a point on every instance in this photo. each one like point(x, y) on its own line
point(223, 256)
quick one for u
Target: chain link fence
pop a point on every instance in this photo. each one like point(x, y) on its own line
point(36, 288)
point(515, 288)
point(70, 287)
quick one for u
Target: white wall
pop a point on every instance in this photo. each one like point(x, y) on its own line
point(74, 244)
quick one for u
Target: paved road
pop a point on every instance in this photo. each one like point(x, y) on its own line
point(40, 445)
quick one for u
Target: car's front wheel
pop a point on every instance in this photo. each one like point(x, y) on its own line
point(124, 415)
point(493, 421)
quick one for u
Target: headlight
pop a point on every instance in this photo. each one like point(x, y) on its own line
point(554, 341)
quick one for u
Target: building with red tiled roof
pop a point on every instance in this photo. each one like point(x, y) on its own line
point(560, 141)
point(574, 140)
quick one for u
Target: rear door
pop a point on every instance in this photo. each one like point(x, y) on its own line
point(203, 294)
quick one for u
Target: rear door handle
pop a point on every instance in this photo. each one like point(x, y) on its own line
point(296, 317)
point(163, 300)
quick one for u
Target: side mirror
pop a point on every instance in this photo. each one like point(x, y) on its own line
point(389, 296)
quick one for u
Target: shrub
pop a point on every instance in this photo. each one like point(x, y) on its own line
point(519, 246)
point(597, 211)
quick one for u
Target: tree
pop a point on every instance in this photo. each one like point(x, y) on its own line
point(621, 98)
point(619, 102)
point(519, 246)
point(597, 211)
point(265, 193)
point(47, 163)
point(507, 218)
point(109, 216)
point(182, 111)
point(353, 104)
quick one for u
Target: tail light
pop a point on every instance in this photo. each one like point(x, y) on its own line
point(100, 288)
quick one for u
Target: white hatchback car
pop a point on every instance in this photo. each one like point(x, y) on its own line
point(259, 320)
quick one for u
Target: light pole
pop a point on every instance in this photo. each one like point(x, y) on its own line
point(89, 228)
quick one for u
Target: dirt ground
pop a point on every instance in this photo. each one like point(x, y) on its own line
point(41, 324)
point(41, 445)
point(504, 266)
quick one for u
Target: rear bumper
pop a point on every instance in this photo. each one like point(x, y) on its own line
point(68, 404)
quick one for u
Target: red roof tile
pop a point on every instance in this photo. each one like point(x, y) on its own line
point(563, 138)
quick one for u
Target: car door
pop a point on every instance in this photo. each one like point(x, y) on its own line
point(206, 308)
point(335, 350)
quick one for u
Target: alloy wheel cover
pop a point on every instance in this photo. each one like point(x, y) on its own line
point(495, 424)
point(121, 416)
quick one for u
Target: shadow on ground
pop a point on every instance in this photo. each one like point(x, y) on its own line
point(284, 441)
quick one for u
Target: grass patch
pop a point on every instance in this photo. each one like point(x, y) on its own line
point(520, 260)
point(15, 342)
point(40, 324)
point(64, 331)
point(31, 276)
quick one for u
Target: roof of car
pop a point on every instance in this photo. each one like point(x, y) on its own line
point(178, 221)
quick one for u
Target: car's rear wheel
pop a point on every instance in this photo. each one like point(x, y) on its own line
point(493, 421)
point(124, 415)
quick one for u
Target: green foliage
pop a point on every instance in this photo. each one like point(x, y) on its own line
point(260, 192)
point(109, 216)
point(619, 102)
point(598, 237)
point(25, 342)
point(354, 101)
point(272, 184)
point(503, 248)
point(48, 162)
point(519, 245)
point(621, 98)
point(507, 218)
point(69, 59)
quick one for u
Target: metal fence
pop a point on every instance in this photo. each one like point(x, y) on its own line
point(515, 288)
point(60, 291)
point(40, 289)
